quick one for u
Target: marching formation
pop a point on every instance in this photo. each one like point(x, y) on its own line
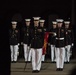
point(35, 39)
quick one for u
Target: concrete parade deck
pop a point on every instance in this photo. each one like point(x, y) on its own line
point(48, 68)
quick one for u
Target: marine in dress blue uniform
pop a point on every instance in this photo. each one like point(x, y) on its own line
point(52, 41)
point(68, 41)
point(26, 40)
point(42, 33)
point(14, 41)
point(60, 43)
point(36, 46)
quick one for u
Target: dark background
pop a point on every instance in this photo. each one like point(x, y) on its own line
point(30, 8)
point(21, 9)
point(47, 9)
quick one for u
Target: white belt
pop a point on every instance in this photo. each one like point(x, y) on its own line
point(60, 38)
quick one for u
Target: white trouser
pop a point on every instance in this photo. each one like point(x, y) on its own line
point(27, 53)
point(52, 53)
point(14, 52)
point(36, 58)
point(60, 55)
point(43, 58)
point(67, 53)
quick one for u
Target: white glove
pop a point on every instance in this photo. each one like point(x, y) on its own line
point(55, 34)
point(72, 44)
point(18, 44)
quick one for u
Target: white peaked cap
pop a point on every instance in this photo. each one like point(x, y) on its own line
point(54, 22)
point(27, 19)
point(42, 20)
point(66, 22)
point(14, 22)
point(36, 18)
point(59, 20)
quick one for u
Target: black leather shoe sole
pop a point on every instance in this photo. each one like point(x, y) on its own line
point(34, 71)
point(61, 69)
point(37, 71)
point(58, 69)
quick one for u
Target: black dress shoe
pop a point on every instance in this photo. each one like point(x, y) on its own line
point(34, 71)
point(67, 62)
point(37, 71)
point(14, 61)
point(42, 61)
point(58, 69)
point(61, 69)
point(53, 62)
point(28, 61)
